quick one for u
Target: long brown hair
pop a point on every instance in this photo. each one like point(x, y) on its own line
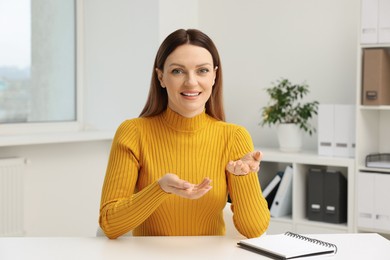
point(157, 101)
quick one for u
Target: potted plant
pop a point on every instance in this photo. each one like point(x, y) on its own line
point(290, 115)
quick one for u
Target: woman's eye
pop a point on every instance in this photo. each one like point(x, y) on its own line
point(177, 71)
point(202, 71)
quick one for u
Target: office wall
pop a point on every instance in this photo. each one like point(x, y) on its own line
point(120, 40)
point(261, 41)
point(177, 14)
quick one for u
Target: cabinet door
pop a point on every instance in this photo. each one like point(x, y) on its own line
point(381, 201)
point(365, 200)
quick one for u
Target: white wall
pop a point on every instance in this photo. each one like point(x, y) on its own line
point(177, 14)
point(259, 41)
point(121, 39)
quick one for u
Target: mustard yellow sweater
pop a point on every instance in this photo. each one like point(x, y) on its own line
point(145, 149)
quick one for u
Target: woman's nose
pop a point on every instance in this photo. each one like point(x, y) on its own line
point(191, 79)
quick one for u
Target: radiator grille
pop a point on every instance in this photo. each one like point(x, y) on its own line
point(11, 196)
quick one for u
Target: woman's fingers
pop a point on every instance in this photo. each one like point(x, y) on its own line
point(248, 163)
point(171, 183)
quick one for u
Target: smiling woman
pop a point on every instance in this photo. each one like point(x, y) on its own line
point(37, 61)
point(171, 169)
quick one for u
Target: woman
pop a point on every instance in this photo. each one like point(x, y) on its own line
point(170, 170)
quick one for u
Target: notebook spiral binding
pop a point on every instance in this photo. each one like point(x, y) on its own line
point(312, 240)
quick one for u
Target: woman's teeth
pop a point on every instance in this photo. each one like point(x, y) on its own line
point(190, 94)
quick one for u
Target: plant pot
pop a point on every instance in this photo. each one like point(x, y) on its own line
point(289, 137)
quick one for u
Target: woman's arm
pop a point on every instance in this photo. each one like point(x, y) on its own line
point(250, 210)
point(121, 208)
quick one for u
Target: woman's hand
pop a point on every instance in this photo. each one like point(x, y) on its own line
point(248, 163)
point(171, 183)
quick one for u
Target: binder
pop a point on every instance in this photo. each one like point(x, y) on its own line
point(336, 130)
point(326, 196)
point(269, 192)
point(344, 131)
point(325, 129)
point(365, 196)
point(282, 204)
point(314, 195)
point(384, 21)
point(369, 21)
point(373, 204)
point(381, 201)
point(376, 77)
point(335, 197)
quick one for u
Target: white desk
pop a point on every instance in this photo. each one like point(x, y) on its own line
point(350, 246)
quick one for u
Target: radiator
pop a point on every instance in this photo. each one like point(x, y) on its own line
point(11, 196)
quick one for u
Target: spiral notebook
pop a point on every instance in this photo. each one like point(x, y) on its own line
point(288, 246)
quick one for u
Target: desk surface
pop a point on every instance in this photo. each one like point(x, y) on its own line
point(350, 246)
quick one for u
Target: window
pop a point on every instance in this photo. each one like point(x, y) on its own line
point(38, 61)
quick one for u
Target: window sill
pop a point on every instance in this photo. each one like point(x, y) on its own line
point(54, 138)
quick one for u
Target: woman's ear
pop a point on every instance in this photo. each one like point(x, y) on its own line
point(215, 74)
point(160, 77)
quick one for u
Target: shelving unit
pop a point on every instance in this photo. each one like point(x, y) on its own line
point(274, 161)
point(373, 128)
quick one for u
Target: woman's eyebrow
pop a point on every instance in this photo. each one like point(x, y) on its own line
point(182, 66)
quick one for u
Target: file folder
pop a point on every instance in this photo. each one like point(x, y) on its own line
point(269, 192)
point(325, 129)
point(381, 201)
point(373, 200)
point(314, 195)
point(336, 130)
point(376, 77)
point(344, 131)
point(335, 197)
point(384, 21)
point(369, 21)
point(326, 196)
point(365, 196)
point(282, 204)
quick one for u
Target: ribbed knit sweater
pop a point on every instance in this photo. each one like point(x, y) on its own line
point(145, 149)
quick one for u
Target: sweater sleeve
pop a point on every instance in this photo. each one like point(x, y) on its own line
point(121, 208)
point(250, 210)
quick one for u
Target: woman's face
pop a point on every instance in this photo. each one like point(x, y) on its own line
point(188, 77)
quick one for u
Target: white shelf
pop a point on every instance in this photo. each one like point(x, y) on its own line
point(57, 137)
point(375, 108)
point(275, 160)
point(304, 157)
point(371, 169)
point(324, 225)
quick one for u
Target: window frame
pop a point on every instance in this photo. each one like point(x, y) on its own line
point(65, 126)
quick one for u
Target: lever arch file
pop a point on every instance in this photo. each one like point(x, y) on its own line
point(282, 204)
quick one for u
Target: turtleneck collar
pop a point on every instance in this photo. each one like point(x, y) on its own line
point(184, 124)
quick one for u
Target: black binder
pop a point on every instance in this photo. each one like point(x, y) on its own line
point(335, 199)
point(315, 193)
point(326, 196)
